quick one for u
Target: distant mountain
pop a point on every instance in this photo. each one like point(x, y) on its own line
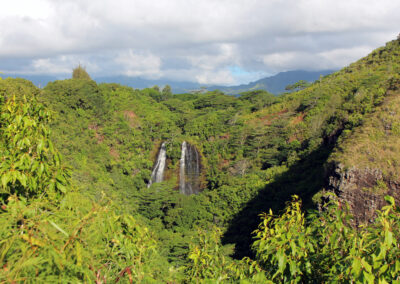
point(141, 83)
point(134, 82)
point(38, 80)
point(275, 84)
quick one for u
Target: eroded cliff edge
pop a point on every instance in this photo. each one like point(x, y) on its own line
point(362, 189)
point(366, 163)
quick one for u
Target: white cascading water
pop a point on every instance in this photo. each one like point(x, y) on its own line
point(182, 175)
point(158, 172)
point(190, 170)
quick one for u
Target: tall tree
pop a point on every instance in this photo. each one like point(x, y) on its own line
point(80, 73)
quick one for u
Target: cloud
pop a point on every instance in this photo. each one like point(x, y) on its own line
point(192, 40)
point(134, 64)
point(330, 59)
point(215, 77)
point(43, 66)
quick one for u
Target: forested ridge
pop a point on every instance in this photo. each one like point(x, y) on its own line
point(77, 158)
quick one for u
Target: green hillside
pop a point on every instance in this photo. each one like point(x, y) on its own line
point(77, 157)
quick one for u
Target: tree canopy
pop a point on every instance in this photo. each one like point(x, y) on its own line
point(79, 72)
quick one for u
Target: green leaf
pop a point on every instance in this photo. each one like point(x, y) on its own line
point(389, 199)
point(5, 179)
point(22, 179)
point(293, 268)
point(281, 261)
point(383, 269)
point(366, 265)
point(58, 228)
point(389, 238)
point(61, 187)
point(356, 267)
point(369, 277)
point(40, 146)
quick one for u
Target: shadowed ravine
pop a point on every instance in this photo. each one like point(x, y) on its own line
point(304, 179)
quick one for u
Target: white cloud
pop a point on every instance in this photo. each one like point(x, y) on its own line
point(223, 54)
point(218, 77)
point(133, 64)
point(342, 56)
point(329, 59)
point(46, 66)
point(150, 37)
point(38, 9)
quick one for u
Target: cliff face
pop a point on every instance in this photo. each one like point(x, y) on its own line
point(366, 164)
point(362, 189)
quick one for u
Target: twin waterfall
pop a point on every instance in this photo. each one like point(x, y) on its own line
point(189, 169)
point(158, 172)
point(189, 174)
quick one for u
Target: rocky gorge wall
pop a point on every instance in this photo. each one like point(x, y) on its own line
point(362, 189)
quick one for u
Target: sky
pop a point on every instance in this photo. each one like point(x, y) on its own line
point(205, 41)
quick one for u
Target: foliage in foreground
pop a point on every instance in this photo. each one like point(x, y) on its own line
point(48, 232)
point(208, 262)
point(322, 247)
point(30, 165)
point(76, 241)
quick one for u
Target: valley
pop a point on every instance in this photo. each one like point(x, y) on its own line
point(102, 182)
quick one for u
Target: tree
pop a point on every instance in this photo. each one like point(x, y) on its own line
point(300, 85)
point(166, 92)
point(29, 165)
point(80, 73)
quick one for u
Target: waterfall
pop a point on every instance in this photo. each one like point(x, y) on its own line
point(158, 171)
point(182, 169)
point(190, 167)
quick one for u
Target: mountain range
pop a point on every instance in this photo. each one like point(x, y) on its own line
point(274, 84)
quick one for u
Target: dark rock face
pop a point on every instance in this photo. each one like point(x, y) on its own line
point(362, 189)
point(190, 170)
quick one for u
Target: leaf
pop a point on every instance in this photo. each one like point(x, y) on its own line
point(281, 262)
point(366, 265)
point(5, 179)
point(356, 267)
point(32, 240)
point(58, 228)
point(293, 268)
point(41, 168)
point(61, 187)
point(389, 238)
point(383, 269)
point(78, 253)
point(389, 199)
point(22, 179)
point(369, 277)
point(40, 146)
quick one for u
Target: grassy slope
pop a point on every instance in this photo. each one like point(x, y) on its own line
point(376, 144)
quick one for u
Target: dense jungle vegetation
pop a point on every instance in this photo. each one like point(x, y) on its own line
point(76, 158)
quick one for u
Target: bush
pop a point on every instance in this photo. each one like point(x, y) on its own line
point(325, 247)
point(30, 165)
